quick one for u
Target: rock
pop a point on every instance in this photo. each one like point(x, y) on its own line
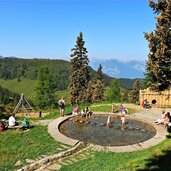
point(54, 167)
point(30, 160)
point(18, 163)
point(102, 124)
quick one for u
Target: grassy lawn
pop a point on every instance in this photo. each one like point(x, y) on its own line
point(25, 86)
point(156, 158)
point(20, 145)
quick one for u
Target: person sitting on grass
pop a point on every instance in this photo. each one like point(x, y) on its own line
point(12, 121)
point(26, 123)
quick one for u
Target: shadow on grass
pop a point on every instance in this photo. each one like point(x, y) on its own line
point(160, 162)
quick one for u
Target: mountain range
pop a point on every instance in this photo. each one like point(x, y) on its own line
point(119, 69)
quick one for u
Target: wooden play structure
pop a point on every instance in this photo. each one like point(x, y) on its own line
point(23, 106)
point(157, 99)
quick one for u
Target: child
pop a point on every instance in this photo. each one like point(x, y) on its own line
point(123, 120)
point(121, 108)
point(113, 108)
point(75, 111)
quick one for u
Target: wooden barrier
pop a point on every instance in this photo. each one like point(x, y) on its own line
point(161, 98)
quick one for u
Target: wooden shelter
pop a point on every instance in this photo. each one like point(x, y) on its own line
point(157, 99)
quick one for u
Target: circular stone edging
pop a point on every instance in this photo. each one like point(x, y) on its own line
point(160, 136)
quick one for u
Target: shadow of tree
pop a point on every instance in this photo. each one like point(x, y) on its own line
point(159, 162)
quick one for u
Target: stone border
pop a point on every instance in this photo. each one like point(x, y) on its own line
point(53, 129)
point(160, 136)
point(43, 163)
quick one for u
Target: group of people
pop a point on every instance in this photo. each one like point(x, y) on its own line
point(87, 113)
point(165, 119)
point(84, 112)
point(145, 104)
point(122, 110)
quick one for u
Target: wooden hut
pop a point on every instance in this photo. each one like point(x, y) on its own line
point(157, 99)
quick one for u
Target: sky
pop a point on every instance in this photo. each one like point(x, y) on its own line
point(112, 29)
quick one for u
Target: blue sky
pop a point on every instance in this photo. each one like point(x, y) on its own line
point(112, 29)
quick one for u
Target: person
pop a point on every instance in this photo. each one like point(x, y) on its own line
point(113, 108)
point(167, 119)
point(12, 121)
point(61, 104)
point(75, 111)
point(2, 126)
point(108, 121)
point(87, 112)
point(121, 108)
point(123, 120)
point(26, 123)
point(161, 120)
point(82, 113)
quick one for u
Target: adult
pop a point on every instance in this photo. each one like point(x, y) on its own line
point(61, 105)
point(12, 121)
point(167, 119)
point(161, 119)
point(88, 112)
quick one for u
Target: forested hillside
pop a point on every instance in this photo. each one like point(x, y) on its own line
point(19, 70)
point(11, 68)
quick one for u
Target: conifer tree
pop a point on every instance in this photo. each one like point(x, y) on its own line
point(113, 92)
point(134, 94)
point(45, 88)
point(159, 59)
point(99, 73)
point(79, 72)
point(98, 86)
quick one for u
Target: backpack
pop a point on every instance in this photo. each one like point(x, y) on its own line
point(2, 126)
point(61, 105)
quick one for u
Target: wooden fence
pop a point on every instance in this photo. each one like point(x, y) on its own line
point(155, 98)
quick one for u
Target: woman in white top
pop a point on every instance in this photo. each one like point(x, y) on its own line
point(12, 120)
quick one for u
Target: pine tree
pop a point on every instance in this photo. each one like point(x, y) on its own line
point(44, 89)
point(99, 73)
point(134, 94)
point(79, 72)
point(113, 92)
point(98, 86)
point(159, 59)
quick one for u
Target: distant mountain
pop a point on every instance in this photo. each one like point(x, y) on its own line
point(118, 69)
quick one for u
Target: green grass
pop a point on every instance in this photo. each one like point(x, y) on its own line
point(157, 157)
point(25, 86)
point(20, 145)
